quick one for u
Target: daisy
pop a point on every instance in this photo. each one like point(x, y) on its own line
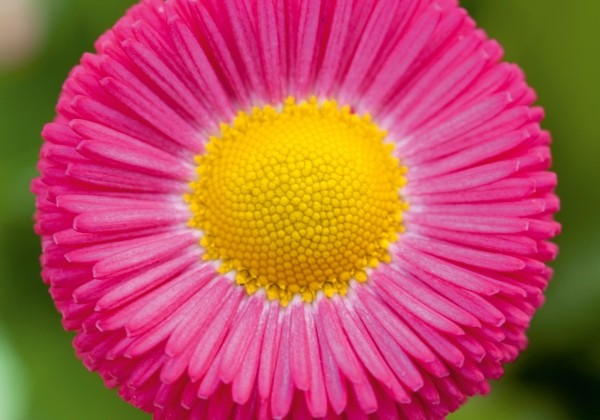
point(271, 209)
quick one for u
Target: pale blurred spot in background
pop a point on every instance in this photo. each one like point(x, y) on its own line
point(21, 31)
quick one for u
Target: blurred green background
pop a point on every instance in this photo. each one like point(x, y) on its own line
point(558, 45)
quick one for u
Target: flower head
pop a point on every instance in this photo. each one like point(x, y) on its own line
point(259, 209)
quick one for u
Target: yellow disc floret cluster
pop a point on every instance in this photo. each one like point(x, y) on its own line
point(298, 200)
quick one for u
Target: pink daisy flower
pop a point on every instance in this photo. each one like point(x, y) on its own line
point(268, 209)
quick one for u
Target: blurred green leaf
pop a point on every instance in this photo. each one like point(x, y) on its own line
point(514, 402)
point(13, 390)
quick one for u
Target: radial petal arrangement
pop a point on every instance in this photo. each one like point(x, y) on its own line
point(296, 209)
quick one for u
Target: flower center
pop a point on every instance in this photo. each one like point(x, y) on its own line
point(298, 201)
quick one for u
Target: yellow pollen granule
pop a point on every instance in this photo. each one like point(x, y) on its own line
point(298, 200)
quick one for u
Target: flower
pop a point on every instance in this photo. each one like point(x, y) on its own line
point(262, 209)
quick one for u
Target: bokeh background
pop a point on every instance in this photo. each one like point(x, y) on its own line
point(558, 45)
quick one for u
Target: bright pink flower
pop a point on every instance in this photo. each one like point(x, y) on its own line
point(287, 270)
